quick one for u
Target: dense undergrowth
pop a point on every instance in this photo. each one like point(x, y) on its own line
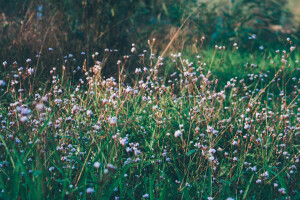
point(215, 125)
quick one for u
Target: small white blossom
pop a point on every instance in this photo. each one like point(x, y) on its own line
point(113, 121)
point(89, 190)
point(97, 164)
point(178, 133)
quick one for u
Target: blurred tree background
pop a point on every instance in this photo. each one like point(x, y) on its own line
point(30, 27)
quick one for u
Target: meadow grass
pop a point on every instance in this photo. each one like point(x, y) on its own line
point(219, 124)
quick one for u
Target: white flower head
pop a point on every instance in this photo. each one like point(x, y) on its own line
point(39, 106)
point(113, 121)
point(30, 71)
point(89, 190)
point(2, 83)
point(23, 119)
point(89, 113)
point(178, 133)
point(97, 164)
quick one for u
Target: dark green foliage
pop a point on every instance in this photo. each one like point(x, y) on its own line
point(80, 25)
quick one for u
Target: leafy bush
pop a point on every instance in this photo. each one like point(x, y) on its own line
point(27, 26)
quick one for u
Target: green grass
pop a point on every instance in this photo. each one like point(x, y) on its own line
point(240, 133)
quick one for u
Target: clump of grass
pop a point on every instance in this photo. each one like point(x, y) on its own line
point(179, 134)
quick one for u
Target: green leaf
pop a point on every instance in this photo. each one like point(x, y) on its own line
point(247, 187)
point(191, 152)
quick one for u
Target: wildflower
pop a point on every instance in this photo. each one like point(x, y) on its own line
point(89, 113)
point(266, 175)
point(145, 196)
point(212, 151)
point(178, 133)
point(292, 48)
point(57, 101)
point(97, 164)
point(104, 101)
point(258, 181)
point(283, 61)
point(282, 190)
point(132, 49)
point(113, 121)
point(154, 107)
point(30, 71)
point(123, 141)
point(44, 99)
point(89, 190)
point(2, 83)
point(137, 152)
point(23, 119)
point(110, 166)
point(39, 106)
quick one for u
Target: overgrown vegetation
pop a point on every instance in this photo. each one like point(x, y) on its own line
point(207, 110)
point(159, 134)
point(29, 27)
